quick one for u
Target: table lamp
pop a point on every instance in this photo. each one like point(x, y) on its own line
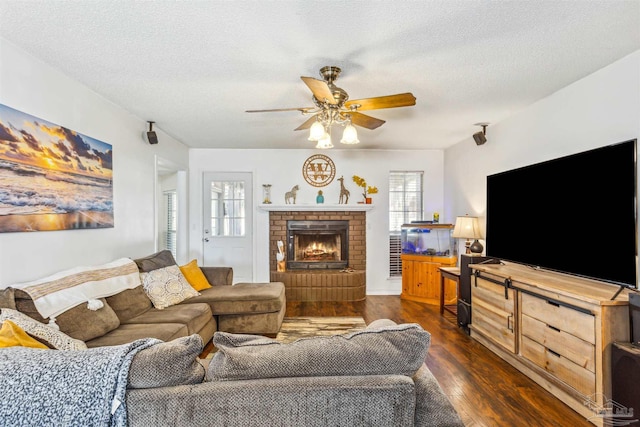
point(468, 227)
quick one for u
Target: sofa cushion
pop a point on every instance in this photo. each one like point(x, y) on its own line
point(43, 333)
point(12, 335)
point(194, 316)
point(129, 333)
point(7, 299)
point(243, 298)
point(168, 364)
point(129, 303)
point(195, 276)
point(79, 322)
point(398, 349)
point(155, 261)
point(166, 286)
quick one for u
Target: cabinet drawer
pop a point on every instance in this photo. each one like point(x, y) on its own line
point(494, 324)
point(492, 294)
point(580, 379)
point(573, 322)
point(569, 346)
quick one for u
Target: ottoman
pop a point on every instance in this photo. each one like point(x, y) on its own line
point(246, 308)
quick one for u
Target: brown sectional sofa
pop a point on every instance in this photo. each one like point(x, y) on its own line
point(251, 308)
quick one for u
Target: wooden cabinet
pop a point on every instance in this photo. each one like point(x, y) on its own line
point(555, 328)
point(561, 340)
point(493, 310)
point(421, 278)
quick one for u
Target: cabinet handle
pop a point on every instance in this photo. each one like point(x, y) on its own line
point(553, 327)
point(509, 325)
point(555, 304)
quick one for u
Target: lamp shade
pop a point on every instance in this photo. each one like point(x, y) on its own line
point(325, 142)
point(316, 132)
point(467, 227)
point(350, 135)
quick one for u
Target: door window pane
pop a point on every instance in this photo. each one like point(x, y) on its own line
point(228, 208)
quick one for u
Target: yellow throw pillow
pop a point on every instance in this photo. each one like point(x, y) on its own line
point(195, 276)
point(11, 335)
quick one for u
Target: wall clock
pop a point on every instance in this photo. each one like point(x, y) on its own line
point(319, 170)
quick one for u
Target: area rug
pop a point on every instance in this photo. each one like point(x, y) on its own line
point(294, 328)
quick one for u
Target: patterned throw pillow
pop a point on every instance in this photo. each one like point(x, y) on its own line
point(167, 286)
point(41, 331)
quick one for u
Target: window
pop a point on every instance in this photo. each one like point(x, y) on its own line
point(405, 205)
point(227, 208)
point(171, 203)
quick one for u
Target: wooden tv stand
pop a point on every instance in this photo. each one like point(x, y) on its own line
point(557, 329)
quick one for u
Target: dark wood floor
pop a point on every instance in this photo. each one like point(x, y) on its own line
point(485, 390)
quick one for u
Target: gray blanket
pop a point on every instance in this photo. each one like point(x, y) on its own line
point(66, 388)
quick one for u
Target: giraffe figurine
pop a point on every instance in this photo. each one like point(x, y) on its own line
point(344, 193)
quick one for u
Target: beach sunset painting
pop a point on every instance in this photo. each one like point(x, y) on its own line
point(51, 177)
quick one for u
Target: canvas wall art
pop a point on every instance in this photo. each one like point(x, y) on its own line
point(51, 177)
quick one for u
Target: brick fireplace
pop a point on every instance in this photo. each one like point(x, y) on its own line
point(323, 283)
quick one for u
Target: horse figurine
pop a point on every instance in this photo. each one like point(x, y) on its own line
point(291, 195)
point(344, 193)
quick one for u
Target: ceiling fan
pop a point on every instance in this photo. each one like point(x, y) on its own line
point(332, 106)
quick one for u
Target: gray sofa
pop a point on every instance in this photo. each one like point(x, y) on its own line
point(252, 308)
point(376, 377)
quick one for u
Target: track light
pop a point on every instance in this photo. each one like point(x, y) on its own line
point(151, 137)
point(480, 137)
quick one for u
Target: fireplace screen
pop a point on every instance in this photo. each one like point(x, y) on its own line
point(317, 244)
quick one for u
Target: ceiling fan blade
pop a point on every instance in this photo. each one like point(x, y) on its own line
point(307, 124)
point(320, 89)
point(302, 109)
point(365, 121)
point(389, 101)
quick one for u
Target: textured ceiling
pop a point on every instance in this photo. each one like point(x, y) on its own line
point(195, 66)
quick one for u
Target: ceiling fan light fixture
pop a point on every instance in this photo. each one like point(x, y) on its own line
point(325, 142)
point(316, 132)
point(350, 135)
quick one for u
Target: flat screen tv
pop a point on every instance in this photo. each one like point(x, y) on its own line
point(575, 214)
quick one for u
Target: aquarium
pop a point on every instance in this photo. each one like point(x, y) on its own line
point(429, 239)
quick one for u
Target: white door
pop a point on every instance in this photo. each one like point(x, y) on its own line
point(228, 219)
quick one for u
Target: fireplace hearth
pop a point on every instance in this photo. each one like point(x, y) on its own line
point(317, 244)
point(321, 278)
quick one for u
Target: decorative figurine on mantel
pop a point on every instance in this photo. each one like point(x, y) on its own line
point(344, 193)
point(319, 197)
point(280, 261)
point(290, 196)
point(360, 182)
point(266, 190)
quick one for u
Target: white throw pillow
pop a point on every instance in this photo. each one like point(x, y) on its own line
point(167, 286)
point(57, 339)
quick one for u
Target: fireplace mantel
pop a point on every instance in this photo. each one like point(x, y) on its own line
point(315, 208)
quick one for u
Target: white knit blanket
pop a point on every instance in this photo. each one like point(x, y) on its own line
point(62, 291)
point(66, 388)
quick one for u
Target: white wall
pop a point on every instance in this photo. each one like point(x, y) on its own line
point(29, 85)
point(283, 169)
point(600, 109)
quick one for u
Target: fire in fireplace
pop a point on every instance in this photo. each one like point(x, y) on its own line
point(317, 244)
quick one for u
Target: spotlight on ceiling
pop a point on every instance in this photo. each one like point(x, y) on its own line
point(150, 136)
point(480, 137)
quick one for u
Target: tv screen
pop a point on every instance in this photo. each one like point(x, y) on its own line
point(575, 214)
